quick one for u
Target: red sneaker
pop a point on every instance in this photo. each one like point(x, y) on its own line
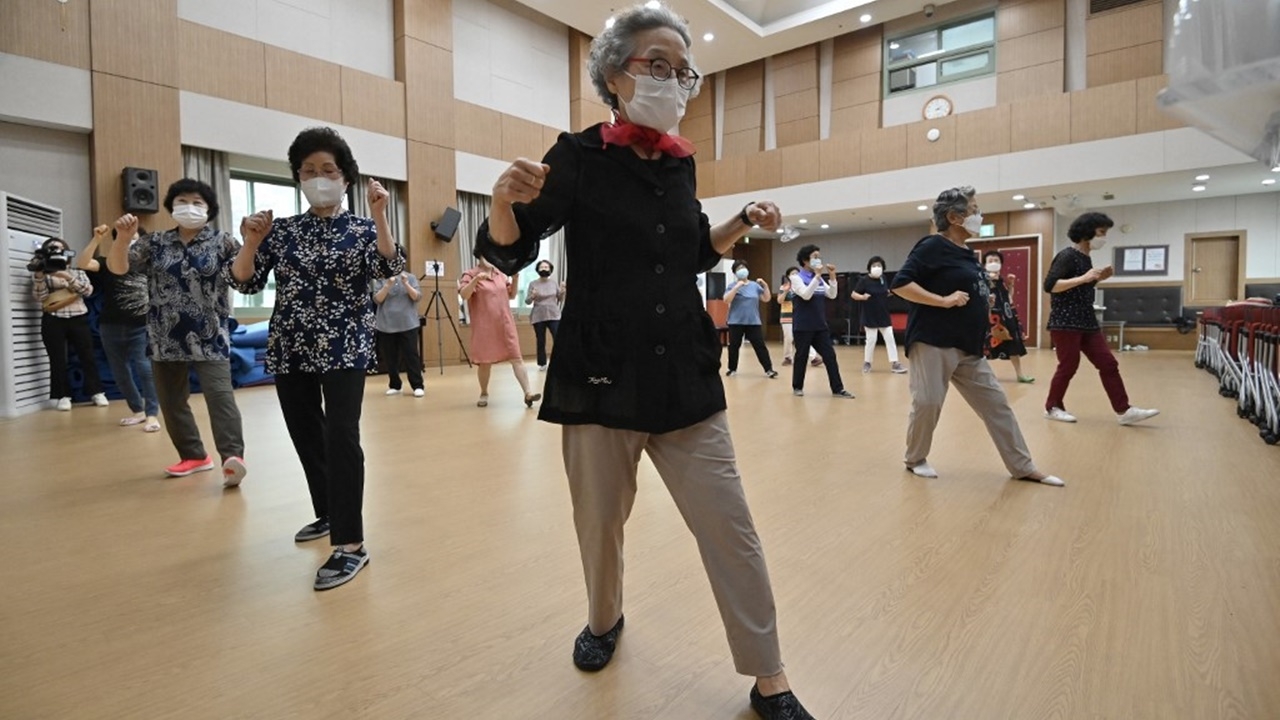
point(233, 471)
point(184, 468)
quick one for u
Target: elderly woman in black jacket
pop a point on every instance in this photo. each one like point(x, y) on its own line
point(637, 356)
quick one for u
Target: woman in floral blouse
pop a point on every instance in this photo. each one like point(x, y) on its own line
point(321, 339)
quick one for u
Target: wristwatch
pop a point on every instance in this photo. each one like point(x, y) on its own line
point(746, 219)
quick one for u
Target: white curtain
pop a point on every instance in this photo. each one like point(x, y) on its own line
point(474, 209)
point(210, 167)
point(396, 215)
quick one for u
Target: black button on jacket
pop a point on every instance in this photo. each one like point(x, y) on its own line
point(635, 240)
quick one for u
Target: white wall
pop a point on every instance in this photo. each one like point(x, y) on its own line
point(851, 251)
point(51, 167)
point(359, 34)
point(34, 92)
point(510, 59)
point(965, 96)
point(1168, 223)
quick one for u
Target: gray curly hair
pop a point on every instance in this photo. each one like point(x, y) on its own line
point(956, 199)
point(611, 48)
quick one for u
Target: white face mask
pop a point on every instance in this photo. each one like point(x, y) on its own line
point(190, 217)
point(815, 264)
point(876, 271)
point(322, 192)
point(742, 273)
point(993, 267)
point(1097, 243)
point(973, 223)
point(657, 104)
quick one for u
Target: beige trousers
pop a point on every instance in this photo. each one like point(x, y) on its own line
point(932, 370)
point(698, 466)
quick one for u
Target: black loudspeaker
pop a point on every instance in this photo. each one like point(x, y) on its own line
point(140, 192)
point(715, 286)
point(448, 224)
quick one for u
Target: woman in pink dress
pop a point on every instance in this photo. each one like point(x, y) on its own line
point(488, 295)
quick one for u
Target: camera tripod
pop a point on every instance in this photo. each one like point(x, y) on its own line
point(437, 302)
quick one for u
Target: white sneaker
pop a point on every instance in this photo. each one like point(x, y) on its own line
point(393, 391)
point(923, 469)
point(1053, 480)
point(1060, 415)
point(419, 392)
point(1136, 415)
point(100, 400)
point(542, 368)
point(63, 404)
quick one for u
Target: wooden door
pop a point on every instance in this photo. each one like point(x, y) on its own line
point(758, 255)
point(1213, 270)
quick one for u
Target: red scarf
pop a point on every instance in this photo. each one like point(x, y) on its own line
point(623, 134)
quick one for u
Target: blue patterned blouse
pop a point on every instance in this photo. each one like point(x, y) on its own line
point(189, 287)
point(324, 316)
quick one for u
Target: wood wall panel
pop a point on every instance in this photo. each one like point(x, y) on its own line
point(430, 21)
point(764, 170)
point(303, 85)
point(373, 103)
point(856, 91)
point(478, 130)
point(706, 177)
point(744, 85)
point(521, 138)
point(742, 143)
point(1038, 80)
point(746, 117)
point(797, 131)
point(884, 149)
point(704, 103)
point(1150, 117)
point(584, 114)
point(1126, 27)
point(124, 137)
point(857, 53)
point(796, 106)
point(1129, 63)
point(801, 163)
point(1026, 18)
point(431, 188)
point(982, 133)
point(149, 30)
point(840, 156)
point(856, 118)
point(731, 175)
point(922, 152)
point(795, 78)
point(698, 129)
point(223, 65)
point(1031, 222)
point(1104, 112)
point(428, 85)
point(550, 136)
point(44, 30)
point(1042, 121)
point(1028, 50)
point(798, 56)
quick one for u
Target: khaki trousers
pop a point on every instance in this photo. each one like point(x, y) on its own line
point(698, 466)
point(932, 370)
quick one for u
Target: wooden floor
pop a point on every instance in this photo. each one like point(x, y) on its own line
point(1149, 587)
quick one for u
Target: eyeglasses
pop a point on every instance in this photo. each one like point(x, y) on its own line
point(660, 69)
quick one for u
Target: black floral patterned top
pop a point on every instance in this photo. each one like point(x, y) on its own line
point(189, 310)
point(324, 315)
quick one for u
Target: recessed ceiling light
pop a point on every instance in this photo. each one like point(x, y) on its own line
point(866, 18)
point(1019, 197)
point(1028, 206)
point(825, 226)
point(1269, 181)
point(1202, 178)
point(922, 207)
point(802, 221)
point(609, 23)
point(781, 230)
point(653, 4)
point(1199, 188)
point(709, 37)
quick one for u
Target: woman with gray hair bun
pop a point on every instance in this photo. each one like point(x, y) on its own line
point(636, 368)
point(947, 328)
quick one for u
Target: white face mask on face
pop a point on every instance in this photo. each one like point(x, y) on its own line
point(190, 217)
point(321, 192)
point(973, 224)
point(815, 264)
point(1097, 243)
point(657, 104)
point(876, 271)
point(993, 267)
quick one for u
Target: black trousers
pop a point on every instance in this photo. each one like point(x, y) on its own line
point(397, 347)
point(755, 336)
point(820, 341)
point(322, 413)
point(540, 332)
point(58, 333)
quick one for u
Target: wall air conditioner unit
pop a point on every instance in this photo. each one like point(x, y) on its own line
point(24, 365)
point(903, 79)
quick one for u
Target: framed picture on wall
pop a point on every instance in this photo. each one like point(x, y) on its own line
point(1141, 260)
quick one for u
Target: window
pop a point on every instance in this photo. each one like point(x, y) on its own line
point(248, 196)
point(947, 53)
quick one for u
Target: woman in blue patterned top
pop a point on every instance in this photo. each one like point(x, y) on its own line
point(322, 330)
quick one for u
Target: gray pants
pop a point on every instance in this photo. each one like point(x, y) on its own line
point(698, 466)
point(932, 370)
point(173, 388)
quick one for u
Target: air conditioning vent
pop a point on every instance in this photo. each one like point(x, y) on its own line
point(1097, 6)
point(24, 365)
